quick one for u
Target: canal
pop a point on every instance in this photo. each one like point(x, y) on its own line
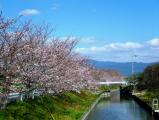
point(117, 108)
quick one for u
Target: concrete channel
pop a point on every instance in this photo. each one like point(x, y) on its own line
point(103, 95)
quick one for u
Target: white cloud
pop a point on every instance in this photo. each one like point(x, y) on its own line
point(123, 46)
point(122, 51)
point(28, 12)
point(111, 47)
point(81, 50)
point(90, 49)
point(67, 37)
point(154, 42)
point(87, 40)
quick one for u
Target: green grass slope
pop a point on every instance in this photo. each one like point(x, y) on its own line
point(66, 106)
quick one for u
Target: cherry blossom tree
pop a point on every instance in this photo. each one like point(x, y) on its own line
point(29, 58)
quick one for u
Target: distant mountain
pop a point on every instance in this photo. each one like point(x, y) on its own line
point(124, 68)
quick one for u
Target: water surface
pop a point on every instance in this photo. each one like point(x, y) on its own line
point(117, 108)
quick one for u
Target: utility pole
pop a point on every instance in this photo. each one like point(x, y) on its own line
point(132, 68)
point(132, 63)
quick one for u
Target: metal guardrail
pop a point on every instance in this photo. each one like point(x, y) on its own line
point(12, 97)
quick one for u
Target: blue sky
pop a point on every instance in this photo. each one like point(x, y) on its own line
point(111, 30)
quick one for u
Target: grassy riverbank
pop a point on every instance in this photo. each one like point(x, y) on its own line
point(66, 106)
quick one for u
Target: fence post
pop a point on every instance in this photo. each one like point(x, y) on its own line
point(21, 97)
point(33, 94)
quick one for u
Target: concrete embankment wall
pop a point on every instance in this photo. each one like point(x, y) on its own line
point(146, 107)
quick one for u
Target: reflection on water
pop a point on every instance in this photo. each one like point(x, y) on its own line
point(117, 108)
